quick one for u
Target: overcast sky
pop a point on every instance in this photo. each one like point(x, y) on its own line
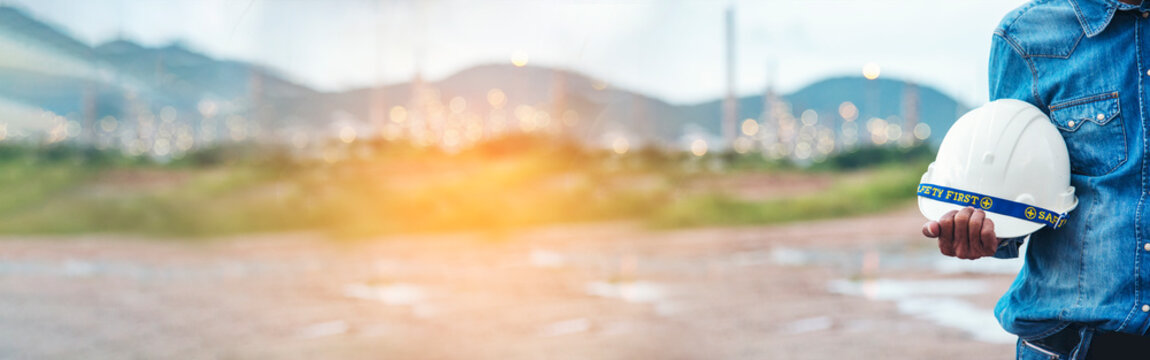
point(671, 49)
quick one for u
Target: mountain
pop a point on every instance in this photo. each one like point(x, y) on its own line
point(608, 108)
point(880, 98)
point(44, 68)
point(175, 68)
point(53, 71)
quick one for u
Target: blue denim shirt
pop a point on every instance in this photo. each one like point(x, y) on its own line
point(1085, 63)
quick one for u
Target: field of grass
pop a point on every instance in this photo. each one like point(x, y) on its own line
point(870, 191)
point(389, 188)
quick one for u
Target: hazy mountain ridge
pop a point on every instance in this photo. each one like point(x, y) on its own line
point(182, 78)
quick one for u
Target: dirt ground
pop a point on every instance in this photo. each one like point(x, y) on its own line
point(861, 288)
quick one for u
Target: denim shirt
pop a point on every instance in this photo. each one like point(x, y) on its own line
point(1085, 63)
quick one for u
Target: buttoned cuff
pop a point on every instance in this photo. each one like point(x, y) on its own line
point(1008, 248)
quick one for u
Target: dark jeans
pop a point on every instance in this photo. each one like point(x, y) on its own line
point(1077, 342)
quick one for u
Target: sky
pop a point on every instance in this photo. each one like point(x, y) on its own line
point(670, 49)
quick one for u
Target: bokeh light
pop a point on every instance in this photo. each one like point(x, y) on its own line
point(519, 58)
point(699, 147)
point(570, 118)
point(921, 131)
point(893, 132)
point(457, 105)
point(108, 124)
point(398, 114)
point(809, 117)
point(743, 145)
point(848, 111)
point(598, 85)
point(750, 127)
point(496, 98)
point(620, 145)
point(871, 71)
point(347, 134)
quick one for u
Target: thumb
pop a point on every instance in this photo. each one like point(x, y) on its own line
point(931, 229)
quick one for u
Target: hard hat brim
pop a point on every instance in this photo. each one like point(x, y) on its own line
point(1004, 226)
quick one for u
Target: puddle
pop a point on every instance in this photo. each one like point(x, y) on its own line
point(818, 323)
point(979, 323)
point(391, 294)
point(566, 327)
point(888, 258)
point(790, 257)
point(87, 268)
point(847, 259)
point(887, 289)
point(949, 265)
point(935, 301)
point(632, 292)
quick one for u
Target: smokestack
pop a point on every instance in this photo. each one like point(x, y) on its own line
point(910, 111)
point(730, 104)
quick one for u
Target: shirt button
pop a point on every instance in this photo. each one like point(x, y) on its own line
point(1146, 247)
point(1071, 123)
point(1145, 15)
point(1100, 117)
point(1147, 72)
point(1145, 308)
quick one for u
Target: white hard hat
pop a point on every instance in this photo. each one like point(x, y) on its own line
point(1006, 158)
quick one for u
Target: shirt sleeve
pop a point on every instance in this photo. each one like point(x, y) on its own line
point(1010, 77)
point(1010, 73)
point(1008, 248)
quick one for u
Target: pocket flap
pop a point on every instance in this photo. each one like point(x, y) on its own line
point(1099, 109)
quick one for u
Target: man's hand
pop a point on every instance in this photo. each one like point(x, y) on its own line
point(966, 234)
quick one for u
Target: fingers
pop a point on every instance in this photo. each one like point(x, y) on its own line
point(930, 229)
point(946, 233)
point(989, 239)
point(974, 234)
point(962, 247)
point(966, 234)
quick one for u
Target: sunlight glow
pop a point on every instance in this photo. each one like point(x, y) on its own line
point(620, 145)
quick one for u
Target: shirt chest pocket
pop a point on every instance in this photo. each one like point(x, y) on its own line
point(1094, 134)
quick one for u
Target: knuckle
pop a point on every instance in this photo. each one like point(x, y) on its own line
point(946, 220)
point(962, 217)
point(987, 232)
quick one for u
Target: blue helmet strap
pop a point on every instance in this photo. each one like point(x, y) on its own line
point(1034, 214)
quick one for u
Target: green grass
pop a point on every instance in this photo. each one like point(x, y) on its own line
point(25, 185)
point(877, 190)
point(500, 186)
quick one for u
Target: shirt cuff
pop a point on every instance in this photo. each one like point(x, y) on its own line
point(1008, 248)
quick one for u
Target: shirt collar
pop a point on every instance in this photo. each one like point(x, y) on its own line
point(1094, 15)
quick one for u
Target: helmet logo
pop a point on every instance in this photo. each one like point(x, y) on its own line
point(986, 203)
point(1031, 213)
